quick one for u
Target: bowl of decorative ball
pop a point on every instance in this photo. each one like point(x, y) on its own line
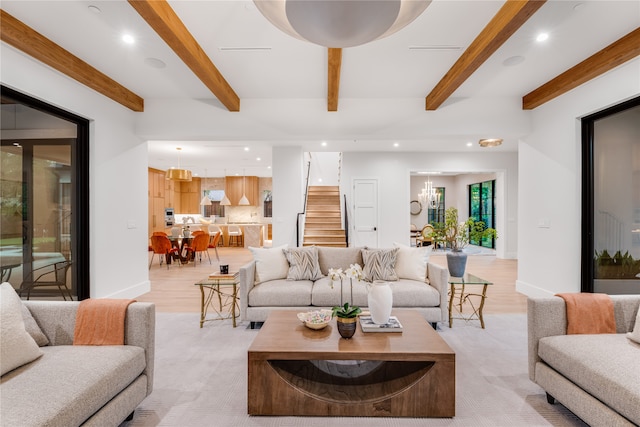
point(317, 319)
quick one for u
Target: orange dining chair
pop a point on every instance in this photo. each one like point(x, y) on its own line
point(200, 244)
point(214, 243)
point(162, 247)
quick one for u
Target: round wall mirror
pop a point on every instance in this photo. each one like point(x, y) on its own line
point(416, 207)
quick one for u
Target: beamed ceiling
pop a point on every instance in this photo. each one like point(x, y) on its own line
point(259, 87)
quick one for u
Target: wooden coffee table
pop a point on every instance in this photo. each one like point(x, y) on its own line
point(294, 370)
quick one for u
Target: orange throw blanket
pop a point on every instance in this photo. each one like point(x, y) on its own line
point(101, 322)
point(589, 313)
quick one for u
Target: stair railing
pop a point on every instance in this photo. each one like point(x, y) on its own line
point(346, 221)
point(304, 209)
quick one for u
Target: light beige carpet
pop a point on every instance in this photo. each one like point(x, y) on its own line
point(201, 379)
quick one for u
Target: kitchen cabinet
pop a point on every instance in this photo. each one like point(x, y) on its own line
point(234, 189)
point(190, 197)
point(156, 200)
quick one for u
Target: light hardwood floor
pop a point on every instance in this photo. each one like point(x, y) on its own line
point(174, 290)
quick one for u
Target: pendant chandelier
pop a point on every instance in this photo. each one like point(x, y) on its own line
point(243, 201)
point(429, 197)
point(341, 23)
point(179, 174)
point(225, 200)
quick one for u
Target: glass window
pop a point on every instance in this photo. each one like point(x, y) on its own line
point(482, 208)
point(615, 213)
point(215, 209)
point(267, 205)
point(437, 215)
point(43, 207)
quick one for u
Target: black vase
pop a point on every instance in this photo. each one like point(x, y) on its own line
point(346, 326)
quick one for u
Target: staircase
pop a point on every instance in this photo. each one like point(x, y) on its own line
point(323, 224)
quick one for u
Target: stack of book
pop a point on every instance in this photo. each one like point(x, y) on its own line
point(392, 325)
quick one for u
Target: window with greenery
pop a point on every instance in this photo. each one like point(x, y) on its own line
point(267, 204)
point(437, 214)
point(611, 200)
point(482, 208)
point(215, 209)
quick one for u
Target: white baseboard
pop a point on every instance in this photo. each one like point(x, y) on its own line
point(532, 291)
point(132, 291)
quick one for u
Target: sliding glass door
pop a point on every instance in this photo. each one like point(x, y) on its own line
point(43, 207)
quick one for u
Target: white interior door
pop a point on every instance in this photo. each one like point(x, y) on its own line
point(365, 208)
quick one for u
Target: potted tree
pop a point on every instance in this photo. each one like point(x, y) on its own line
point(457, 235)
point(346, 318)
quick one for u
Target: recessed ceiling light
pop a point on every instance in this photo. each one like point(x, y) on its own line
point(128, 39)
point(246, 148)
point(258, 158)
point(155, 63)
point(490, 142)
point(542, 37)
point(324, 143)
point(94, 9)
point(469, 144)
point(513, 60)
point(395, 144)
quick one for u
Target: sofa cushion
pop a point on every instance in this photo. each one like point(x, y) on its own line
point(32, 328)
point(72, 383)
point(16, 345)
point(411, 263)
point(271, 263)
point(635, 334)
point(323, 295)
point(414, 293)
point(281, 293)
point(379, 264)
point(338, 258)
point(600, 364)
point(303, 263)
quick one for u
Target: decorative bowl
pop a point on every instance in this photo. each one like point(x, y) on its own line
point(317, 319)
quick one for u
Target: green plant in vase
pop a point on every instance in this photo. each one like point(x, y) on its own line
point(457, 235)
point(346, 318)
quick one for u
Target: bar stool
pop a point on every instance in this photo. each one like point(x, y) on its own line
point(235, 236)
point(213, 230)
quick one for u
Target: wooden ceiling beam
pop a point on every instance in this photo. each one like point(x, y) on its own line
point(163, 19)
point(509, 18)
point(19, 35)
point(617, 53)
point(333, 77)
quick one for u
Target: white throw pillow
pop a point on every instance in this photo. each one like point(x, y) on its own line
point(16, 345)
point(271, 263)
point(411, 263)
point(635, 335)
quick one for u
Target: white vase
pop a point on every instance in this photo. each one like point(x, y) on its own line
point(380, 300)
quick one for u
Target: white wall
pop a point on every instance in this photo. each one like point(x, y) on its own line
point(288, 193)
point(549, 188)
point(394, 193)
point(118, 174)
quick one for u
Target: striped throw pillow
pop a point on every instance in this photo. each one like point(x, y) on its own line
point(379, 264)
point(303, 263)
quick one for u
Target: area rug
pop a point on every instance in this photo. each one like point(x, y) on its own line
point(201, 379)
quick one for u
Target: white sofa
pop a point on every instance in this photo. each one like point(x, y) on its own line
point(597, 377)
point(80, 385)
point(421, 285)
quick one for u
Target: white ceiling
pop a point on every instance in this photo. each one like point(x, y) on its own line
point(283, 89)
